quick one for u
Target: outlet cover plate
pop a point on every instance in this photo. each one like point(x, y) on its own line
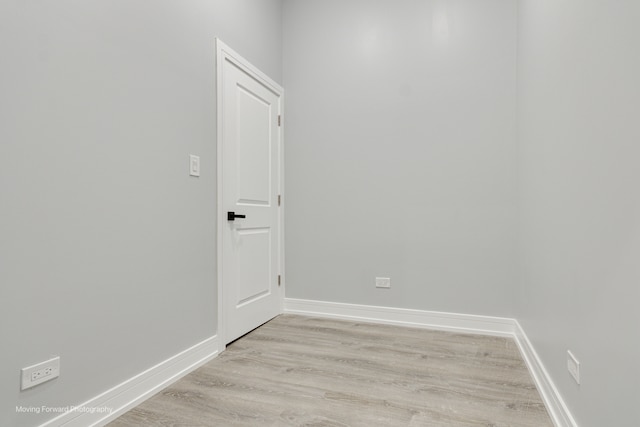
point(573, 365)
point(40, 373)
point(383, 282)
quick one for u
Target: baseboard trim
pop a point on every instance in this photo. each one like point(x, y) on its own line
point(453, 322)
point(464, 323)
point(552, 398)
point(137, 389)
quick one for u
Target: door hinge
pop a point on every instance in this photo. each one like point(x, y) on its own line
point(279, 280)
point(279, 199)
point(279, 119)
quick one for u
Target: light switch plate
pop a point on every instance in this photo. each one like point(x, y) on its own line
point(194, 165)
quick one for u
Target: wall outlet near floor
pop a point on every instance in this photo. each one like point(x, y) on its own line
point(39, 373)
point(383, 282)
point(573, 365)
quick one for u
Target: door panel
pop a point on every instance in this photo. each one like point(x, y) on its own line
point(251, 165)
point(254, 148)
point(254, 265)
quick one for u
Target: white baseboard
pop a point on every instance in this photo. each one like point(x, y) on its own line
point(453, 322)
point(135, 390)
point(556, 407)
point(464, 323)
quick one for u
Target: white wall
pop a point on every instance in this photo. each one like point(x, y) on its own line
point(400, 148)
point(107, 246)
point(579, 92)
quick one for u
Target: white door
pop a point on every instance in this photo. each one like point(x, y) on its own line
point(250, 161)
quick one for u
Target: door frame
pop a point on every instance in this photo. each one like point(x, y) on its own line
point(225, 53)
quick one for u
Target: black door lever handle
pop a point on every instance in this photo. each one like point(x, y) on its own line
point(232, 215)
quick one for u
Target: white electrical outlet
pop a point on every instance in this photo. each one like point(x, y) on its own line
point(383, 282)
point(39, 373)
point(573, 365)
point(194, 165)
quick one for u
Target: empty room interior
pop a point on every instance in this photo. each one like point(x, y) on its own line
point(319, 212)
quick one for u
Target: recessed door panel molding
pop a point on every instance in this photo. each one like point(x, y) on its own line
point(254, 147)
point(250, 221)
point(254, 264)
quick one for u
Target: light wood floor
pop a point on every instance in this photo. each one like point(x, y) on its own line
point(304, 371)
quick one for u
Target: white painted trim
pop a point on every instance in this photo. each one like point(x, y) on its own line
point(219, 201)
point(282, 205)
point(464, 323)
point(139, 388)
point(223, 53)
point(552, 398)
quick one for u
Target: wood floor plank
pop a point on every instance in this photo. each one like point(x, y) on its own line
point(305, 371)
